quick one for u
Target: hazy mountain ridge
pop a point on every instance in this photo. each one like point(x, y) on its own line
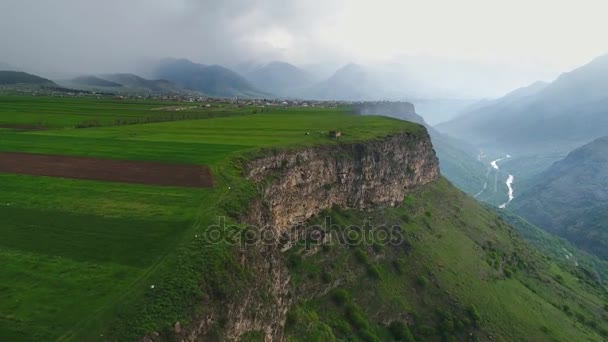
point(570, 199)
point(279, 78)
point(94, 81)
point(123, 83)
point(18, 77)
point(568, 112)
point(214, 80)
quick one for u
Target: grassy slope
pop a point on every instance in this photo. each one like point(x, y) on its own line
point(458, 256)
point(83, 254)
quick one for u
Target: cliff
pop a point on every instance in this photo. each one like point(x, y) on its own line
point(295, 185)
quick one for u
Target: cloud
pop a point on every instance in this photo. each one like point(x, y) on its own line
point(109, 34)
point(86, 36)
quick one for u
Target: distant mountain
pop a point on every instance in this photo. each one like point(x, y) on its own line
point(18, 77)
point(139, 83)
point(124, 83)
point(280, 78)
point(213, 80)
point(570, 199)
point(566, 113)
point(94, 81)
point(352, 82)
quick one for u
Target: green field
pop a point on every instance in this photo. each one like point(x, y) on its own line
point(98, 261)
point(78, 254)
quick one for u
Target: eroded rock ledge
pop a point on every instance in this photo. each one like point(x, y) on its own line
point(296, 185)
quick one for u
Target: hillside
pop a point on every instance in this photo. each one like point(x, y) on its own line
point(141, 84)
point(125, 84)
point(22, 78)
point(559, 116)
point(94, 81)
point(213, 80)
point(403, 253)
point(280, 78)
point(570, 199)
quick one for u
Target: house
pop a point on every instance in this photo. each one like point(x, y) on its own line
point(335, 134)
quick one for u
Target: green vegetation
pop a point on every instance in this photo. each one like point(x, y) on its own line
point(99, 260)
point(459, 271)
point(88, 260)
point(579, 216)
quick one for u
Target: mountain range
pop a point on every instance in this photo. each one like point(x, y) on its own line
point(570, 198)
point(18, 77)
point(280, 78)
point(123, 83)
point(214, 80)
point(561, 115)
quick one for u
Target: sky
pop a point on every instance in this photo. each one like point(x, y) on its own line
point(527, 39)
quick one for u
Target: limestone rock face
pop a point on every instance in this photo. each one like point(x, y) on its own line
point(296, 185)
point(293, 186)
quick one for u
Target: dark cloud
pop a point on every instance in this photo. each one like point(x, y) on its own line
point(108, 35)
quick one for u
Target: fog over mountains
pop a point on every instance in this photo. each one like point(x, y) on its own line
point(570, 198)
point(565, 113)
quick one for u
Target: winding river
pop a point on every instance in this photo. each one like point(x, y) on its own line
point(509, 182)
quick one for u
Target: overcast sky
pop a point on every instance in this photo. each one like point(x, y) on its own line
point(538, 37)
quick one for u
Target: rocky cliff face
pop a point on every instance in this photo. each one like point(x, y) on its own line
point(296, 185)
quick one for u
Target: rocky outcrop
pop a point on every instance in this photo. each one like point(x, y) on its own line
point(296, 185)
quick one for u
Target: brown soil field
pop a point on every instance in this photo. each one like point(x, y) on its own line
point(111, 170)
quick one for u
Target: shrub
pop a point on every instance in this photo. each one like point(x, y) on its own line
point(368, 336)
point(446, 325)
point(559, 278)
point(465, 322)
point(398, 266)
point(422, 281)
point(355, 317)
point(508, 273)
point(342, 327)
point(409, 200)
point(474, 314)
point(292, 318)
point(340, 296)
point(294, 261)
point(373, 271)
point(400, 331)
point(544, 329)
point(326, 277)
point(361, 256)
